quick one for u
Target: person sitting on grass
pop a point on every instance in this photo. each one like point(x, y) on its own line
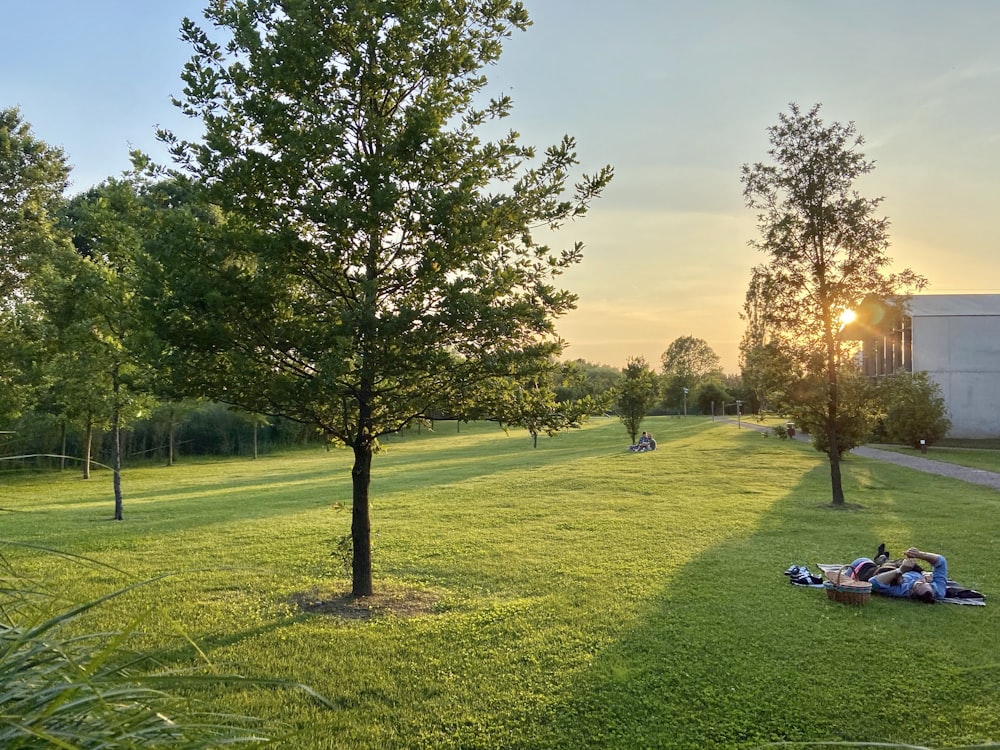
point(646, 443)
point(909, 581)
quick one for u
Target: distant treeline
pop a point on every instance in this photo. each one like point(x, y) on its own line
point(206, 428)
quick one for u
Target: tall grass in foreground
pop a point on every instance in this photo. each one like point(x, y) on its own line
point(581, 596)
point(87, 689)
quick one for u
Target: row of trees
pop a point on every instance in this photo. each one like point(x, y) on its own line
point(168, 428)
point(690, 379)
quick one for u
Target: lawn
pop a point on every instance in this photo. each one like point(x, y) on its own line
point(579, 596)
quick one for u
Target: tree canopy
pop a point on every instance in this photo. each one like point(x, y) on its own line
point(687, 363)
point(33, 176)
point(373, 256)
point(690, 357)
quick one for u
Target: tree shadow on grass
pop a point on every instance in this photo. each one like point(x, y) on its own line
point(730, 655)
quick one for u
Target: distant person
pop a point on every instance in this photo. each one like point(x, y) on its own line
point(646, 443)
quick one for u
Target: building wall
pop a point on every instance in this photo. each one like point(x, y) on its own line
point(956, 339)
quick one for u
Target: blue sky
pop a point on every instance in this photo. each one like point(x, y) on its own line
point(676, 95)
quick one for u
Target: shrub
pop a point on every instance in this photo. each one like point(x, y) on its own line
point(914, 409)
point(858, 408)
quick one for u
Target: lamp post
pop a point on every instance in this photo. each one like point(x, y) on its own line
point(685, 402)
point(739, 412)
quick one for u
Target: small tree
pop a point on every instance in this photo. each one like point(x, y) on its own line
point(637, 393)
point(536, 405)
point(530, 405)
point(826, 249)
point(914, 408)
point(92, 317)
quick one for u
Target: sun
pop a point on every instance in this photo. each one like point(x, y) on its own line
point(847, 317)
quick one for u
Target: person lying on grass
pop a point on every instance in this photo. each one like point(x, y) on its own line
point(909, 581)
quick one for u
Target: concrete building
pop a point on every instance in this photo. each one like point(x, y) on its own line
point(955, 338)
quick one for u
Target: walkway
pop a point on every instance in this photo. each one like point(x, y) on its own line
point(918, 463)
point(942, 468)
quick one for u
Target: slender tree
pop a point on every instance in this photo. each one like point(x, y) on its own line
point(33, 176)
point(91, 306)
point(374, 257)
point(825, 246)
point(636, 391)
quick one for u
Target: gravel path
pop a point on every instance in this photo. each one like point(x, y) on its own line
point(918, 463)
point(942, 468)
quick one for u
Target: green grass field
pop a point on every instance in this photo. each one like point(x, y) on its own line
point(579, 596)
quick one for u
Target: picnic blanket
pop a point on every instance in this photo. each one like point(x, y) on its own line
point(955, 593)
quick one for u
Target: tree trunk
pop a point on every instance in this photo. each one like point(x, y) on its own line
point(833, 406)
point(88, 445)
point(361, 476)
point(833, 440)
point(170, 440)
point(835, 483)
point(116, 459)
point(62, 440)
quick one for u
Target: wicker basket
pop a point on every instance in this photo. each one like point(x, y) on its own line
point(840, 587)
point(831, 590)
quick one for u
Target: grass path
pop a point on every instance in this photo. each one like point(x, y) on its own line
point(586, 597)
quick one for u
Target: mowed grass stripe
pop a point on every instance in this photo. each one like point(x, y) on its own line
point(586, 596)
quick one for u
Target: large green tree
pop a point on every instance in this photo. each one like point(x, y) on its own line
point(826, 249)
point(33, 176)
point(687, 362)
point(375, 256)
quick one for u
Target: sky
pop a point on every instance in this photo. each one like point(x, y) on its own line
point(676, 96)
